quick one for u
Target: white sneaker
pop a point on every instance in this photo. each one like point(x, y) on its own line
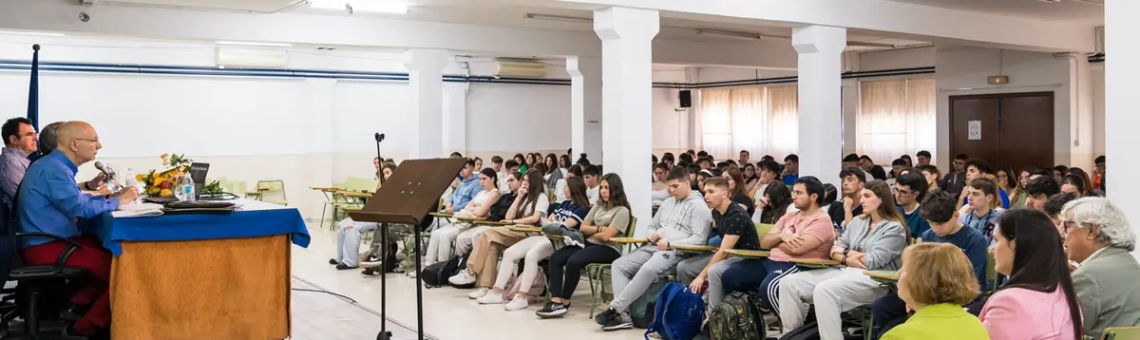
point(463, 278)
point(478, 293)
point(491, 298)
point(518, 303)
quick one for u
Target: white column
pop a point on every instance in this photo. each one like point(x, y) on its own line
point(1121, 105)
point(425, 77)
point(627, 106)
point(320, 143)
point(585, 106)
point(820, 51)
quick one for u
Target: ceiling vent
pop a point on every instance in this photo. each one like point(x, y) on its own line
point(519, 68)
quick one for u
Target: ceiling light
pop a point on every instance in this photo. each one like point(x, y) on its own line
point(329, 4)
point(565, 18)
point(42, 34)
point(251, 43)
point(378, 7)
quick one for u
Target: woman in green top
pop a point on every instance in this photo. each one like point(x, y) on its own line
point(936, 280)
point(523, 166)
point(607, 219)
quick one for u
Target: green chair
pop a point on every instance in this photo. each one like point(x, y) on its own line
point(599, 274)
point(272, 191)
point(1121, 333)
point(991, 274)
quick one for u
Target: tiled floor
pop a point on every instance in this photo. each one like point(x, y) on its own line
point(448, 313)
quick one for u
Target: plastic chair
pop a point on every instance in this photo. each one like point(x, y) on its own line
point(596, 272)
point(272, 191)
point(1121, 333)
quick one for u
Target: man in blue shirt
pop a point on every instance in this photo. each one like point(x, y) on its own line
point(939, 209)
point(791, 171)
point(50, 202)
point(909, 190)
point(466, 189)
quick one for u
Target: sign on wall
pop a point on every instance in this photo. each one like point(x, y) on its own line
point(975, 130)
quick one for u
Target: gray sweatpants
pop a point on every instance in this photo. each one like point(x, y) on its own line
point(636, 271)
point(689, 268)
point(716, 287)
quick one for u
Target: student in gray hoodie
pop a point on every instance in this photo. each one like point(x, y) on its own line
point(872, 241)
point(683, 219)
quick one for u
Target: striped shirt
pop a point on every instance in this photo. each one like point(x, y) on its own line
point(13, 165)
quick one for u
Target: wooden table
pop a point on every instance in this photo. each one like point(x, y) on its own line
point(355, 194)
point(470, 219)
point(752, 254)
point(628, 240)
point(257, 192)
point(815, 263)
point(694, 249)
point(326, 189)
point(524, 229)
point(492, 223)
point(884, 276)
point(440, 215)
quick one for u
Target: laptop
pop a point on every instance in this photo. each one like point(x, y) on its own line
point(198, 175)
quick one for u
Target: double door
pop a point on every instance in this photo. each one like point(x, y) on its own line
point(1007, 130)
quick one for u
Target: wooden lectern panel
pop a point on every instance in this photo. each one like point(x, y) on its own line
point(411, 191)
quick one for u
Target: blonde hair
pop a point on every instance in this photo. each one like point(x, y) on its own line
point(939, 273)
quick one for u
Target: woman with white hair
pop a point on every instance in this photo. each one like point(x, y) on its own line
point(1100, 241)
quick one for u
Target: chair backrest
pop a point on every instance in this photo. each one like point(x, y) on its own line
point(629, 232)
point(275, 190)
point(1121, 333)
point(360, 184)
point(991, 273)
point(763, 229)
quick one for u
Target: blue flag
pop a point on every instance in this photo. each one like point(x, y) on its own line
point(34, 90)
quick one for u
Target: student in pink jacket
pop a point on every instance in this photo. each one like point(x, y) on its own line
point(1038, 302)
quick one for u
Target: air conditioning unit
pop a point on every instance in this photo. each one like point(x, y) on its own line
point(251, 57)
point(519, 68)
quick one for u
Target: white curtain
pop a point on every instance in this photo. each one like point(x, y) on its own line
point(896, 117)
point(762, 120)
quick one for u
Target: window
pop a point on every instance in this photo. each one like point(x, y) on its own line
point(763, 120)
point(896, 117)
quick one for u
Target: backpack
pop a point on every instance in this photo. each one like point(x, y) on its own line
point(536, 291)
point(641, 310)
point(736, 318)
point(678, 313)
point(809, 331)
point(435, 275)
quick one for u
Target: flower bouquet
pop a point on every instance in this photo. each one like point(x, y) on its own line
point(160, 183)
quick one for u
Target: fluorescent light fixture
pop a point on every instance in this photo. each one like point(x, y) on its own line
point(395, 7)
point(254, 43)
point(552, 17)
point(42, 34)
point(329, 4)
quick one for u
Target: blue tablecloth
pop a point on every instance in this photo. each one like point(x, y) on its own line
point(248, 223)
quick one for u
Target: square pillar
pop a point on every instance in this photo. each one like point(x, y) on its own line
point(1121, 105)
point(321, 160)
point(425, 77)
point(820, 50)
point(627, 101)
point(585, 106)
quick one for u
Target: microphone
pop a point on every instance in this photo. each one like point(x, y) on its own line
point(379, 137)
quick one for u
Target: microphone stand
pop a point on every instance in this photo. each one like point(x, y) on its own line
point(384, 333)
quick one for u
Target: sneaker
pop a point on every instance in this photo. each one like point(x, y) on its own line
point(372, 261)
point(556, 310)
point(518, 303)
point(654, 335)
point(478, 293)
point(605, 316)
point(546, 308)
point(622, 321)
point(462, 279)
point(343, 267)
point(491, 298)
point(370, 272)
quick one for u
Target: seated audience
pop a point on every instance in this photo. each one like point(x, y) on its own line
point(955, 180)
point(938, 210)
point(592, 174)
point(931, 174)
point(440, 242)
point(803, 233)
point(872, 241)
point(518, 158)
point(47, 143)
point(829, 195)
point(1075, 185)
point(1101, 240)
point(49, 201)
point(461, 233)
point(1038, 190)
point(981, 211)
point(1038, 301)
point(791, 170)
point(852, 161)
point(1053, 208)
point(738, 233)
point(683, 219)
point(528, 208)
point(19, 143)
point(978, 168)
point(660, 189)
point(348, 233)
point(531, 250)
point(767, 172)
point(923, 157)
point(935, 281)
point(737, 191)
point(1059, 171)
point(608, 219)
point(1088, 184)
point(1018, 196)
point(909, 190)
point(775, 203)
point(751, 177)
point(841, 213)
point(553, 174)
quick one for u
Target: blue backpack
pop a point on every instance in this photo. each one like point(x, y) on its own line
point(678, 313)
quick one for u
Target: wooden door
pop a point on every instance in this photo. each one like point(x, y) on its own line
point(1026, 130)
point(982, 112)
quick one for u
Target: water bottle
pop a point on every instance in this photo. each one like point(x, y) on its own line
point(185, 189)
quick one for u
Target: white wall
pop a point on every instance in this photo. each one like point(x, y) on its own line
point(282, 128)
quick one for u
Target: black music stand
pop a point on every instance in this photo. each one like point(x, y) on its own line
point(407, 197)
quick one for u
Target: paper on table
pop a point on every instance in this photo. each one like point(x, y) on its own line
point(138, 210)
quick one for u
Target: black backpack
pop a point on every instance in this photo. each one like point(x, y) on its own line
point(737, 318)
point(435, 275)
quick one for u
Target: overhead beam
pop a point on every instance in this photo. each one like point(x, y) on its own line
point(336, 30)
point(913, 20)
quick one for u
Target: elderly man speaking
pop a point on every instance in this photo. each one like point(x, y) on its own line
point(1100, 240)
point(50, 202)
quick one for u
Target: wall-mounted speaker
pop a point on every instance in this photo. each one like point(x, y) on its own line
point(686, 98)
